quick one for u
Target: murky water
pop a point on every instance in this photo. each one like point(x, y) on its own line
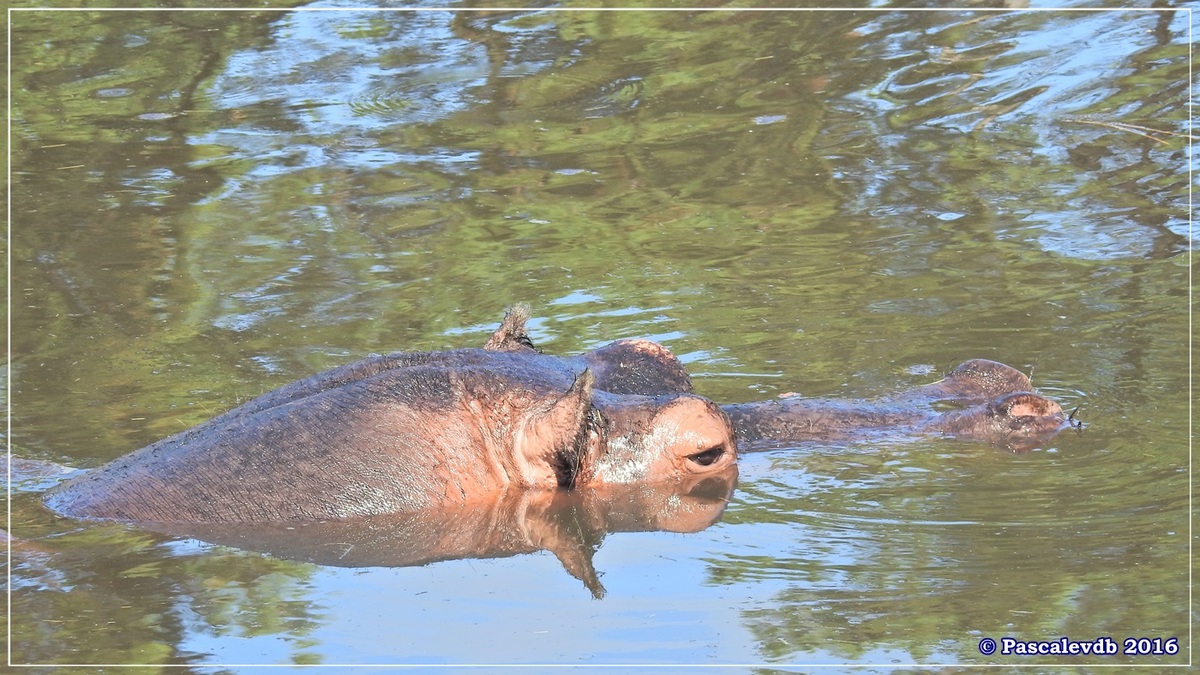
point(207, 205)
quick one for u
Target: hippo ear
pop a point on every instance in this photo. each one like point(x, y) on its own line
point(511, 335)
point(561, 431)
point(1026, 404)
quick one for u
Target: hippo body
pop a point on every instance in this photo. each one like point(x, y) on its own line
point(439, 430)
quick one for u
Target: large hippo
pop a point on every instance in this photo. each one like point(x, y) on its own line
point(437, 430)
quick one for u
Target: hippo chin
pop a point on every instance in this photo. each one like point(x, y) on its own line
point(438, 430)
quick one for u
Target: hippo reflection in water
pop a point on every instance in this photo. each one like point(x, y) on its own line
point(571, 524)
point(425, 444)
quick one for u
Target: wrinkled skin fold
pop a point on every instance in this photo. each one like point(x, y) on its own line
point(421, 432)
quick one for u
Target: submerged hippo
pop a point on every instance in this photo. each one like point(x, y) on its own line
point(437, 430)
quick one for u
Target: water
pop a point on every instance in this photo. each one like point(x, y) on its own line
point(207, 205)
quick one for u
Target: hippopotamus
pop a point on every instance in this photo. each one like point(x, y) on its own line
point(996, 405)
point(408, 431)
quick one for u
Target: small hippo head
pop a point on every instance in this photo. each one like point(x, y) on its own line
point(981, 379)
point(1018, 422)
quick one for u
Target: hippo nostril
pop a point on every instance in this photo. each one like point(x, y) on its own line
point(708, 457)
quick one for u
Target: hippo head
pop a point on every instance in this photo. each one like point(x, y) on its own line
point(672, 437)
point(629, 417)
point(1018, 421)
point(594, 437)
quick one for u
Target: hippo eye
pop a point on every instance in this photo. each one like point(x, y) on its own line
point(708, 457)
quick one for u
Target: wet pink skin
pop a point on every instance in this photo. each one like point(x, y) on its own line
point(408, 432)
point(436, 432)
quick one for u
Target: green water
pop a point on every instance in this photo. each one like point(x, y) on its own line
point(207, 205)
